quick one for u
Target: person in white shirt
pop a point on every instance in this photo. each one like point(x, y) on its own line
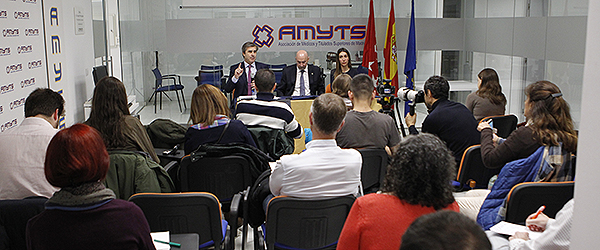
point(324, 169)
point(556, 232)
point(23, 148)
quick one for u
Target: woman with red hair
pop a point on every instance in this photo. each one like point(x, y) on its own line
point(84, 214)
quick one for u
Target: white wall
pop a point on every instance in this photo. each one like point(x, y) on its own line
point(76, 57)
point(586, 217)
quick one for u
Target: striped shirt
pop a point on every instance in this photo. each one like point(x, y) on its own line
point(267, 112)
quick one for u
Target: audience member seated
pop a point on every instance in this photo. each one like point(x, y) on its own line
point(548, 123)
point(308, 74)
point(556, 232)
point(341, 86)
point(444, 230)
point(266, 111)
point(364, 127)
point(417, 183)
point(23, 148)
point(110, 116)
point(84, 214)
point(450, 121)
point(343, 65)
point(488, 100)
point(211, 124)
point(323, 169)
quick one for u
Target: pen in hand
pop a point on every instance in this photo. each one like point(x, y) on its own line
point(540, 210)
point(170, 243)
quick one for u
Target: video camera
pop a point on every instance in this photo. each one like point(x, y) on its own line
point(386, 93)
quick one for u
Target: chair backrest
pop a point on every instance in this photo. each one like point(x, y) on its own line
point(158, 77)
point(98, 72)
point(374, 167)
point(223, 176)
point(273, 142)
point(525, 198)
point(14, 215)
point(306, 223)
point(505, 124)
point(472, 168)
point(183, 213)
point(210, 75)
point(278, 71)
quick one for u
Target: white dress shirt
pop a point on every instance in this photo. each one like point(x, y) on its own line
point(557, 235)
point(306, 82)
point(323, 170)
point(252, 71)
point(22, 154)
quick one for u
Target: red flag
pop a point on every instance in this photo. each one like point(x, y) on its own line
point(389, 50)
point(370, 49)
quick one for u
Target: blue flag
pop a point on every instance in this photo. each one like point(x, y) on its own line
point(410, 62)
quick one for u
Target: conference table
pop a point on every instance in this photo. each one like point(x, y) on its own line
point(301, 110)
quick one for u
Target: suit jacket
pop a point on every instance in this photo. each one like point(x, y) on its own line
point(288, 80)
point(241, 86)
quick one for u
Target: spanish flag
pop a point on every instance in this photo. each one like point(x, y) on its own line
point(389, 50)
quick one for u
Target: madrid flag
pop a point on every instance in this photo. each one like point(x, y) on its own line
point(389, 50)
point(370, 49)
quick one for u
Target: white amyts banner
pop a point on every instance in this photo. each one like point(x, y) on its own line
point(54, 24)
point(22, 58)
point(270, 34)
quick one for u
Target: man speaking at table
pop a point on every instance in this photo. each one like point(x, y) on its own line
point(301, 79)
point(243, 72)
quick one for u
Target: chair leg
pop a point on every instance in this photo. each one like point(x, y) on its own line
point(161, 95)
point(183, 97)
point(167, 95)
point(155, 97)
point(178, 102)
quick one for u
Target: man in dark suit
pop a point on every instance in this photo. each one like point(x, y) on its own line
point(308, 74)
point(239, 80)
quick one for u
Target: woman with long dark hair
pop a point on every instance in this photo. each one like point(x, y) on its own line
point(488, 100)
point(548, 123)
point(209, 115)
point(417, 183)
point(110, 116)
point(84, 214)
point(343, 65)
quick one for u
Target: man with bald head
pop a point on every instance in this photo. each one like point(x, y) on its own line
point(301, 79)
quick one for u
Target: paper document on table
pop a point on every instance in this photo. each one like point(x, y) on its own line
point(508, 228)
point(162, 236)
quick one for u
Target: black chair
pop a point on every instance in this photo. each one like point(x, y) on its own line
point(99, 72)
point(472, 169)
point(221, 176)
point(212, 75)
point(505, 124)
point(374, 167)
point(188, 213)
point(526, 198)
point(159, 88)
point(278, 71)
point(294, 223)
point(14, 215)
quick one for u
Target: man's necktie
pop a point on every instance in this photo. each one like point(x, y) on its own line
point(302, 90)
point(249, 76)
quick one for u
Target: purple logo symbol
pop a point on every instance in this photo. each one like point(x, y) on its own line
point(258, 33)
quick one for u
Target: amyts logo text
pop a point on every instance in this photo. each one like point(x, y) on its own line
point(32, 32)
point(5, 51)
point(9, 125)
point(10, 32)
point(310, 35)
point(17, 103)
point(21, 15)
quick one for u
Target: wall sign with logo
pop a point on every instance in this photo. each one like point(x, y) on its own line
point(272, 35)
point(22, 58)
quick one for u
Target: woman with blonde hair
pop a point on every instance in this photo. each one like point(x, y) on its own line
point(488, 100)
point(209, 115)
point(341, 86)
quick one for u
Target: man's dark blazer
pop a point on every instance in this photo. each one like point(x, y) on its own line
point(241, 86)
point(288, 80)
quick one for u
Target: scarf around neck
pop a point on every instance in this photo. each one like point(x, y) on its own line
point(83, 197)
